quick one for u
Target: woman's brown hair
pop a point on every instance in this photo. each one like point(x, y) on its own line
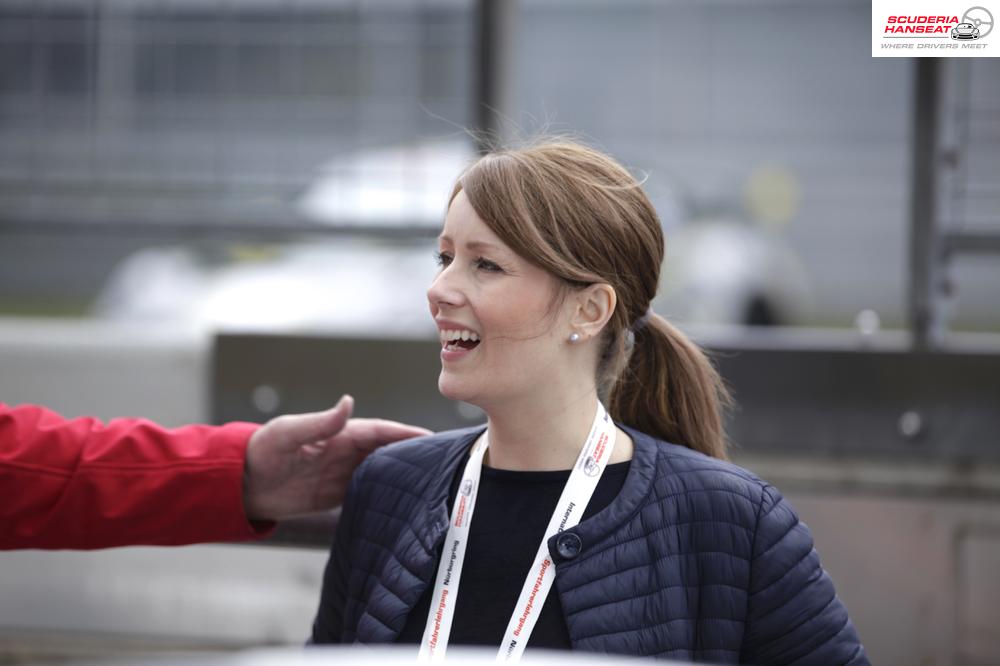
point(579, 214)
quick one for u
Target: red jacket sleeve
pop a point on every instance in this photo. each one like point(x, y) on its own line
point(80, 483)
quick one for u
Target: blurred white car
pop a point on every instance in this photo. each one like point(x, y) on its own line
point(342, 285)
point(718, 271)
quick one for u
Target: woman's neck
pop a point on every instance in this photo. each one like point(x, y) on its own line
point(543, 433)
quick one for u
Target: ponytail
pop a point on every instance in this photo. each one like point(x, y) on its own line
point(671, 390)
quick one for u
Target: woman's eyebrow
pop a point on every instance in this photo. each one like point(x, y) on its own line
point(482, 245)
point(472, 245)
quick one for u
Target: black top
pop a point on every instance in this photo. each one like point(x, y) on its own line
point(512, 511)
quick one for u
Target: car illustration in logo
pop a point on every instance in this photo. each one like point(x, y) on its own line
point(965, 31)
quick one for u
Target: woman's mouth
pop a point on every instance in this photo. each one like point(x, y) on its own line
point(459, 340)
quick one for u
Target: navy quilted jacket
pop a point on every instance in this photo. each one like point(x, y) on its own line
point(696, 559)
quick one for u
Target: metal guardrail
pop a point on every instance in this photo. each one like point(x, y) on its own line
point(822, 408)
point(875, 401)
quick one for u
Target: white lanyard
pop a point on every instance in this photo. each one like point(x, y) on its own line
point(574, 499)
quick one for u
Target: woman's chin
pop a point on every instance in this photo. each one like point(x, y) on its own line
point(451, 389)
point(454, 388)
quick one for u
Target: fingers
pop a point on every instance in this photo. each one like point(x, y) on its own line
point(304, 428)
point(370, 434)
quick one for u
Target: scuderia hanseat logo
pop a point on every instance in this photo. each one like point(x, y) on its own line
point(920, 25)
point(915, 28)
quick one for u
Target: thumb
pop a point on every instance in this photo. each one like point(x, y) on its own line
point(305, 428)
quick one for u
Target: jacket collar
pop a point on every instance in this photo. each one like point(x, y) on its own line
point(637, 486)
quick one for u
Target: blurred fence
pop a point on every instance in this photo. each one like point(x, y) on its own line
point(128, 106)
point(124, 124)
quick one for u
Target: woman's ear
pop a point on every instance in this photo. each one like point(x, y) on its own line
point(592, 308)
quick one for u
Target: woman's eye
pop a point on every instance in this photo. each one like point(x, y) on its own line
point(487, 265)
point(444, 259)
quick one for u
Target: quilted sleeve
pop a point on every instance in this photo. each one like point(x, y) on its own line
point(794, 615)
point(328, 627)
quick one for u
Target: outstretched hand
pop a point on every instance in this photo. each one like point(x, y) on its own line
point(302, 463)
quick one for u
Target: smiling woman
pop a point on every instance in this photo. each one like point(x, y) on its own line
point(487, 292)
point(562, 523)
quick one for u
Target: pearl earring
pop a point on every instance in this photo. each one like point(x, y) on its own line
point(575, 337)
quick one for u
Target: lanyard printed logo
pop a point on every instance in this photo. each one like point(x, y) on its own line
point(576, 495)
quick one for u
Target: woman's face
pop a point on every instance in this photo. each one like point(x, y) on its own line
point(497, 316)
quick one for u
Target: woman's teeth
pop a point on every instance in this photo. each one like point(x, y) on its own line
point(452, 339)
point(451, 336)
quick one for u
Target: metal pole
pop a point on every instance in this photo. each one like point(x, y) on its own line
point(926, 254)
point(492, 25)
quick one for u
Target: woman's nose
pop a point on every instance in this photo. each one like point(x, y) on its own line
point(445, 290)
